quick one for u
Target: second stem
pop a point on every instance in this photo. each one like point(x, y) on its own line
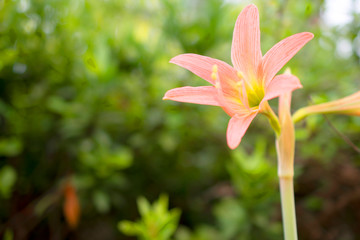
point(285, 148)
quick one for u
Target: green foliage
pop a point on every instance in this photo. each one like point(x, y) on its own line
point(8, 235)
point(7, 180)
point(253, 175)
point(10, 147)
point(202, 232)
point(157, 222)
point(248, 216)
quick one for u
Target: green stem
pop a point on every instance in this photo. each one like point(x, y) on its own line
point(299, 115)
point(288, 208)
point(273, 119)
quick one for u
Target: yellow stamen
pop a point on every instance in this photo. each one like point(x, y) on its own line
point(213, 76)
point(239, 83)
point(214, 72)
point(217, 84)
point(215, 68)
point(240, 74)
point(287, 71)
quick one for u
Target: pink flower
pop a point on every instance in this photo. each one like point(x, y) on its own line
point(243, 90)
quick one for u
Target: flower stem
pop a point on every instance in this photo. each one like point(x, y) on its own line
point(273, 119)
point(285, 151)
point(288, 208)
point(285, 148)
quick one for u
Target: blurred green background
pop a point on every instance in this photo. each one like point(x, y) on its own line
point(81, 84)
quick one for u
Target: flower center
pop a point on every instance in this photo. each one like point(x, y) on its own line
point(255, 94)
point(254, 91)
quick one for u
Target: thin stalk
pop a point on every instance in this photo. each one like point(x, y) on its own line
point(273, 119)
point(285, 148)
point(288, 208)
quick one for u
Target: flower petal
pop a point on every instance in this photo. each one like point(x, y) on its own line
point(206, 95)
point(281, 84)
point(231, 94)
point(237, 128)
point(245, 51)
point(202, 65)
point(282, 52)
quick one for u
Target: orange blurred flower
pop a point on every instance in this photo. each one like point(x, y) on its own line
point(71, 205)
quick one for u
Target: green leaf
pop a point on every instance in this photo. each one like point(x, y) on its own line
point(101, 201)
point(7, 180)
point(10, 147)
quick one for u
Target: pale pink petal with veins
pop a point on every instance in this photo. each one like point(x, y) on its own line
point(231, 94)
point(206, 95)
point(246, 52)
point(281, 53)
point(237, 128)
point(202, 66)
point(281, 84)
